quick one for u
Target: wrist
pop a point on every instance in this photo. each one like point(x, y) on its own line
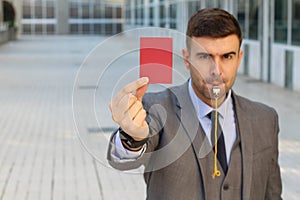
point(131, 143)
point(125, 145)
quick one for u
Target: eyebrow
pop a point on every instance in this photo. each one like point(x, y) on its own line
point(208, 54)
point(231, 52)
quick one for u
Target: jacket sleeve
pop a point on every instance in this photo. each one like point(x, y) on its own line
point(274, 185)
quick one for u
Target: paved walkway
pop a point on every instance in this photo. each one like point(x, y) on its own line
point(41, 156)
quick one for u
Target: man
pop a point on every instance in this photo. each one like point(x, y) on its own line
point(176, 134)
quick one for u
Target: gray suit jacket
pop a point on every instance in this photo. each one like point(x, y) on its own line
point(173, 157)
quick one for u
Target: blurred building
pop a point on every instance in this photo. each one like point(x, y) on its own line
point(72, 16)
point(68, 16)
point(271, 30)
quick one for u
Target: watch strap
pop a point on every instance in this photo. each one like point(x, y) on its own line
point(128, 140)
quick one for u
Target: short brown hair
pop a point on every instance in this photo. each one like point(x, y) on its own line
point(212, 22)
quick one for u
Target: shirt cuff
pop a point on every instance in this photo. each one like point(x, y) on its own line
point(124, 154)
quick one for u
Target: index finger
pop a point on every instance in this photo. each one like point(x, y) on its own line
point(131, 87)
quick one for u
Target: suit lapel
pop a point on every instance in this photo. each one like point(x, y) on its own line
point(185, 110)
point(245, 130)
point(191, 126)
point(189, 120)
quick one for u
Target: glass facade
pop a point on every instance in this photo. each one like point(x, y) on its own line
point(241, 15)
point(193, 6)
point(296, 22)
point(281, 21)
point(94, 17)
point(253, 19)
point(39, 17)
point(99, 17)
point(173, 15)
point(85, 17)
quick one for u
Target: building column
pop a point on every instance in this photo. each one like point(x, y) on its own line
point(265, 40)
point(156, 16)
point(182, 16)
point(132, 14)
point(167, 5)
point(62, 16)
point(1, 12)
point(18, 6)
point(203, 4)
point(146, 13)
point(231, 6)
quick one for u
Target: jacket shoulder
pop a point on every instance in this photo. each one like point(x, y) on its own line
point(252, 106)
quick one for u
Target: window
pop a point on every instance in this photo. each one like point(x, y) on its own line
point(108, 12)
point(50, 29)
point(172, 14)
point(210, 4)
point(73, 10)
point(97, 11)
point(35, 13)
point(162, 15)
point(281, 24)
point(119, 12)
point(26, 11)
point(296, 22)
point(38, 11)
point(85, 9)
point(241, 16)
point(50, 9)
point(253, 19)
point(151, 16)
point(128, 16)
point(193, 6)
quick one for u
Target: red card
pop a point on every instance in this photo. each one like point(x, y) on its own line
point(156, 59)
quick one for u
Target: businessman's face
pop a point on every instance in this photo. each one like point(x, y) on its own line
point(213, 62)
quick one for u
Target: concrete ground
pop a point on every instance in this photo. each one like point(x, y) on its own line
point(53, 139)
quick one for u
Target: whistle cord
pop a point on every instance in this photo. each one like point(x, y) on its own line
point(217, 140)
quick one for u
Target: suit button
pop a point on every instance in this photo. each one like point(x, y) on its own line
point(226, 187)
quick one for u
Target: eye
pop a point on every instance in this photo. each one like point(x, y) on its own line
point(228, 56)
point(204, 56)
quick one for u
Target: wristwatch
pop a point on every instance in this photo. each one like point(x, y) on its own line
point(130, 141)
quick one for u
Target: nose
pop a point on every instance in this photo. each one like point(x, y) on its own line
point(216, 69)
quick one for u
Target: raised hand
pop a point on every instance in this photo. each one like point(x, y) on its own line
point(127, 109)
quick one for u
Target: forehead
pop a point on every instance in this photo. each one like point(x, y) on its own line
point(215, 46)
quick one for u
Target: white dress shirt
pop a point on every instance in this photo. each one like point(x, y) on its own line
point(227, 122)
point(226, 117)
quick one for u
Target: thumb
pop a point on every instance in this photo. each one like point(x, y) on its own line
point(140, 92)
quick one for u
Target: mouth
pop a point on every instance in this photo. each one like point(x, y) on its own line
point(215, 84)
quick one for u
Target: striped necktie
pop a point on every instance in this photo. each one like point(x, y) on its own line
point(221, 154)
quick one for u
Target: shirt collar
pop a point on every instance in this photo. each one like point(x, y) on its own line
point(202, 109)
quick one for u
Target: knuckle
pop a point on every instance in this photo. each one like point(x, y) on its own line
point(132, 97)
point(125, 90)
point(143, 112)
point(139, 104)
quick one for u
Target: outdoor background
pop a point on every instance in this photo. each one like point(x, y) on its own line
point(49, 152)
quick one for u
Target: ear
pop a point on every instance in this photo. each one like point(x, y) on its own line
point(186, 55)
point(240, 57)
